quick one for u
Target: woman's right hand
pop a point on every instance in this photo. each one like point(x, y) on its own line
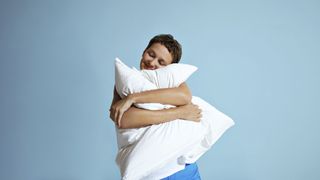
point(190, 112)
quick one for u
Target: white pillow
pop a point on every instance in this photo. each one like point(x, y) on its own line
point(130, 80)
point(165, 148)
point(157, 151)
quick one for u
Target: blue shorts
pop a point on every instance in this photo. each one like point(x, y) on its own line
point(190, 172)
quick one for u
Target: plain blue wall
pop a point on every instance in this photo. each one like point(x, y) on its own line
point(258, 63)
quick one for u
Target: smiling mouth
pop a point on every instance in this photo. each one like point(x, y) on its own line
point(148, 67)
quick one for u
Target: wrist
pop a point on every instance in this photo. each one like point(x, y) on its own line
point(178, 112)
point(132, 98)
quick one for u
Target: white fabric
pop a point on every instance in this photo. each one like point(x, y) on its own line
point(157, 151)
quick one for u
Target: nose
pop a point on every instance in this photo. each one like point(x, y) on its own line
point(153, 64)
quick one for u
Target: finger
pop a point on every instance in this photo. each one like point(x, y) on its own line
point(116, 117)
point(120, 117)
point(113, 117)
point(118, 120)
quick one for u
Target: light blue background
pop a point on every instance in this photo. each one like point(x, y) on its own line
point(258, 63)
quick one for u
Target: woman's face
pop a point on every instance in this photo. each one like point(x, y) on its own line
point(156, 56)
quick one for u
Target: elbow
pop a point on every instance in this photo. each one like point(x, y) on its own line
point(187, 98)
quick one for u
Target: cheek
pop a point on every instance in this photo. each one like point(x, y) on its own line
point(143, 61)
point(143, 58)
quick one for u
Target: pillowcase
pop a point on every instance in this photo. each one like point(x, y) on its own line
point(165, 148)
point(157, 151)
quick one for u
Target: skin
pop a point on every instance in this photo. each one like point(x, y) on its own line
point(125, 115)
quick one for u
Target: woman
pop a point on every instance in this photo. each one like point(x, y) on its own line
point(161, 51)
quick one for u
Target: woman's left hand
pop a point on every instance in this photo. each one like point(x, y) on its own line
point(119, 108)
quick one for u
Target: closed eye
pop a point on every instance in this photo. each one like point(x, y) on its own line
point(151, 54)
point(161, 62)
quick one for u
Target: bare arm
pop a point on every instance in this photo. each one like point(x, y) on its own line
point(135, 117)
point(175, 96)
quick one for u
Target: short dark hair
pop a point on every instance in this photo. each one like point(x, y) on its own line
point(170, 43)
